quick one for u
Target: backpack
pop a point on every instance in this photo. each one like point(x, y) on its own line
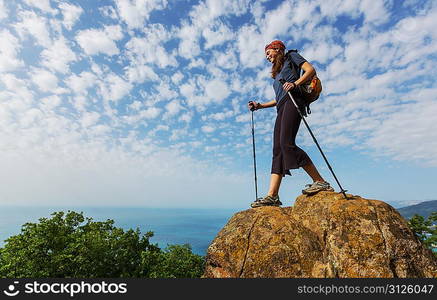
point(309, 90)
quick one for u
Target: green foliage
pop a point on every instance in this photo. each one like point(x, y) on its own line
point(425, 230)
point(70, 245)
point(176, 261)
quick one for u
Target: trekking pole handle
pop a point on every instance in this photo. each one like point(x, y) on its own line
point(282, 81)
point(253, 106)
point(294, 102)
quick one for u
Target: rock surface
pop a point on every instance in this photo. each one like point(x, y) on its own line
point(323, 235)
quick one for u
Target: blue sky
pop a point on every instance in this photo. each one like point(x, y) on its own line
point(143, 103)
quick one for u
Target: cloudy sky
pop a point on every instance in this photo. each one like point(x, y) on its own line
point(143, 102)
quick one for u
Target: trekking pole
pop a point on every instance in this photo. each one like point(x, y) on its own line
point(254, 156)
point(314, 139)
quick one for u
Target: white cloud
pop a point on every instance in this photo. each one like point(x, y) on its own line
point(335, 8)
point(49, 103)
point(30, 118)
point(89, 118)
point(217, 35)
point(149, 50)
point(301, 18)
point(202, 22)
point(150, 113)
point(356, 51)
point(17, 86)
point(165, 92)
point(178, 134)
point(141, 73)
point(188, 89)
point(375, 11)
point(250, 46)
point(136, 12)
point(162, 128)
point(3, 10)
point(58, 56)
point(322, 51)
point(114, 87)
point(303, 15)
point(80, 102)
point(216, 90)
point(226, 59)
point(206, 12)
point(189, 41)
point(45, 80)
point(34, 25)
point(173, 108)
point(43, 5)
point(186, 117)
point(136, 105)
point(218, 116)
point(208, 129)
point(197, 63)
point(71, 14)
point(407, 144)
point(202, 92)
point(177, 77)
point(109, 11)
point(80, 83)
point(90, 173)
point(412, 33)
point(9, 49)
point(95, 41)
point(243, 118)
point(252, 39)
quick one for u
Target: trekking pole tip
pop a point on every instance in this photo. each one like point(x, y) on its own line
point(344, 194)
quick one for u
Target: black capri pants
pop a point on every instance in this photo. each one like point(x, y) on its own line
point(286, 155)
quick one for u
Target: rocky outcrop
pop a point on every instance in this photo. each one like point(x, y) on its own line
point(323, 235)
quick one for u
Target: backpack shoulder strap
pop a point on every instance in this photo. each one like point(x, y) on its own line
point(299, 72)
point(293, 65)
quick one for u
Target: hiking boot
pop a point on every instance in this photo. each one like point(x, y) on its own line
point(266, 201)
point(317, 187)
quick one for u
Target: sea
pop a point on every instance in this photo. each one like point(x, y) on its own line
point(197, 227)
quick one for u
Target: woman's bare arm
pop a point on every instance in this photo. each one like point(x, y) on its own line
point(268, 104)
point(309, 73)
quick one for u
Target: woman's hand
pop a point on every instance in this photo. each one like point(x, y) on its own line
point(253, 105)
point(288, 86)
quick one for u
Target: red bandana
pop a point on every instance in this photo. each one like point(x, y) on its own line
point(275, 45)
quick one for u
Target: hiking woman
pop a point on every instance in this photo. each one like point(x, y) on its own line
point(286, 155)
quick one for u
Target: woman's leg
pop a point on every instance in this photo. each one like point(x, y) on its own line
point(294, 156)
point(275, 183)
point(313, 173)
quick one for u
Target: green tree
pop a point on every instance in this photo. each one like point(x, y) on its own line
point(176, 261)
point(70, 245)
point(425, 230)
